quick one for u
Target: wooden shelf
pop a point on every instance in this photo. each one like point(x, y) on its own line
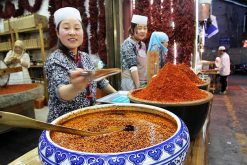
point(5, 33)
point(29, 30)
point(5, 50)
point(34, 48)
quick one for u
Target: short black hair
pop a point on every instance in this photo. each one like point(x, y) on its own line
point(132, 28)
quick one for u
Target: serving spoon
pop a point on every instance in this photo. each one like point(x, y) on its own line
point(16, 120)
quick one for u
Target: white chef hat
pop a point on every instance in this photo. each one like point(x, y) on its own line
point(222, 48)
point(66, 12)
point(139, 19)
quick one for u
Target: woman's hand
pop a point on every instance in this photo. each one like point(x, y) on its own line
point(78, 81)
point(77, 84)
point(16, 61)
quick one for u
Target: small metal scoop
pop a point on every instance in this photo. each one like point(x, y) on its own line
point(100, 74)
point(16, 120)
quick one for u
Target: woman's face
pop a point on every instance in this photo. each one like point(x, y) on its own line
point(140, 32)
point(70, 34)
point(165, 44)
point(18, 49)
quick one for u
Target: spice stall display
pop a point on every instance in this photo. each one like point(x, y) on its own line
point(158, 137)
point(173, 90)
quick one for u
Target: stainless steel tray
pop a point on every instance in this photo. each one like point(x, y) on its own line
point(118, 97)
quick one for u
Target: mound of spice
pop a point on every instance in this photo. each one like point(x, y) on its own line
point(170, 85)
point(149, 129)
point(10, 89)
point(192, 76)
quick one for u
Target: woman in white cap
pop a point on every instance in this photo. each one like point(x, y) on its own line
point(18, 58)
point(67, 89)
point(133, 55)
point(224, 68)
point(159, 43)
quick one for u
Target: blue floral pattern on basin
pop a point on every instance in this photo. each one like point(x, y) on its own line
point(170, 152)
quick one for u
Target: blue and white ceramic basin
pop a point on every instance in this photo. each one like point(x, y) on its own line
point(171, 151)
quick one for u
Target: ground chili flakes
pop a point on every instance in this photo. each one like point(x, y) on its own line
point(10, 89)
point(192, 76)
point(150, 129)
point(170, 85)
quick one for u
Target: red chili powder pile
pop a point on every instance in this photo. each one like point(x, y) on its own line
point(192, 76)
point(170, 85)
point(9, 89)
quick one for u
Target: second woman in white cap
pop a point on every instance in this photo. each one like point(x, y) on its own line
point(133, 55)
point(67, 89)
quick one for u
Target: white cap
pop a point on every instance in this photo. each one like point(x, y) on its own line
point(66, 12)
point(222, 48)
point(139, 19)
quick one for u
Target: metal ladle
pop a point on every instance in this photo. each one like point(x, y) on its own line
point(16, 120)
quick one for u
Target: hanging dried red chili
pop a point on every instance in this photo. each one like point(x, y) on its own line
point(10, 89)
point(192, 76)
point(170, 85)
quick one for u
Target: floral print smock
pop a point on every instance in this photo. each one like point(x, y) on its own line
point(57, 67)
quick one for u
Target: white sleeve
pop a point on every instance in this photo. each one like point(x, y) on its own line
point(218, 62)
point(7, 58)
point(133, 68)
point(25, 59)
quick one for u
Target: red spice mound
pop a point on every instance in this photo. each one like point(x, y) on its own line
point(149, 129)
point(9, 89)
point(192, 76)
point(170, 85)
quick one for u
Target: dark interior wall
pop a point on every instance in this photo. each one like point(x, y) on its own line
point(230, 19)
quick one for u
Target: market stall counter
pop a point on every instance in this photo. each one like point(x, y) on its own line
point(214, 76)
point(19, 99)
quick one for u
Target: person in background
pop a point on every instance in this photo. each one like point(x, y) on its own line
point(217, 63)
point(68, 89)
point(18, 58)
point(133, 55)
point(224, 68)
point(159, 42)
